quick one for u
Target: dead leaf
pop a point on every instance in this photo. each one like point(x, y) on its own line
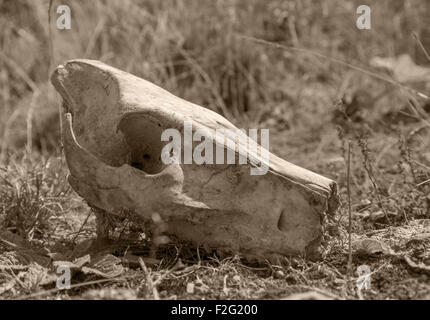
point(106, 266)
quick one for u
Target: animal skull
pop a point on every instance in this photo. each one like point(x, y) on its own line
point(113, 122)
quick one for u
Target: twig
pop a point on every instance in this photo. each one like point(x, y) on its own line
point(205, 76)
point(168, 272)
point(19, 71)
point(420, 164)
point(8, 243)
point(367, 164)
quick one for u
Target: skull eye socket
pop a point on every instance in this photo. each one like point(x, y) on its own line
point(143, 138)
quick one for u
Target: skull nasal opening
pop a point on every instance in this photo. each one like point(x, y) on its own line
point(143, 138)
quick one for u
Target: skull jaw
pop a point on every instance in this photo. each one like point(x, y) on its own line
point(247, 237)
point(289, 231)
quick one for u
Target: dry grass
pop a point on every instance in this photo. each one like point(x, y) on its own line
point(313, 106)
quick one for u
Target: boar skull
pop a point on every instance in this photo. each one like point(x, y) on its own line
point(112, 126)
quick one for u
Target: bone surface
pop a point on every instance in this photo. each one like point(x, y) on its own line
point(112, 142)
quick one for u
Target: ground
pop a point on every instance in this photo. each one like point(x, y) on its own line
point(314, 106)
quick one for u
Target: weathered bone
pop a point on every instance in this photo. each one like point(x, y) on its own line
point(113, 123)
